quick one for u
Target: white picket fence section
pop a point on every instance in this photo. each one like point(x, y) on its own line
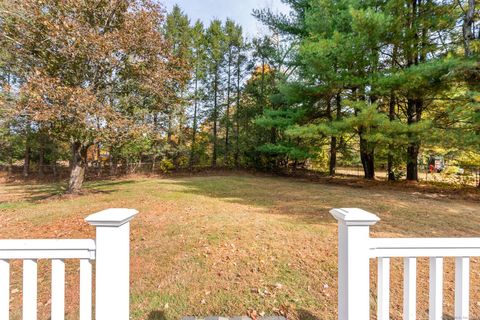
point(356, 248)
point(111, 252)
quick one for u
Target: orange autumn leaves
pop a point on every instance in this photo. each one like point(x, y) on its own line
point(85, 68)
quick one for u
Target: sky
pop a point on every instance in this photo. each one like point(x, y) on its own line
point(238, 10)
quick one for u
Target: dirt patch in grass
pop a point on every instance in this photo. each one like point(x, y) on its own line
point(235, 243)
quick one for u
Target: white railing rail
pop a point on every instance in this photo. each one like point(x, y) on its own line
point(110, 249)
point(356, 248)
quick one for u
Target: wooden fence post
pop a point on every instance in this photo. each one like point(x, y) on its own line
point(112, 267)
point(354, 262)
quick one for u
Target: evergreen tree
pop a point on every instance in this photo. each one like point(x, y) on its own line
point(198, 60)
point(216, 49)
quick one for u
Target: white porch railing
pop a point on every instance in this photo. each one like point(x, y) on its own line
point(110, 249)
point(356, 248)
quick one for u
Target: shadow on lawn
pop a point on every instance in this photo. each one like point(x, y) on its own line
point(302, 315)
point(156, 315)
point(306, 315)
point(39, 192)
point(273, 194)
point(401, 212)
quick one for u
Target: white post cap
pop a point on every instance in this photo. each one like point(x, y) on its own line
point(114, 217)
point(354, 216)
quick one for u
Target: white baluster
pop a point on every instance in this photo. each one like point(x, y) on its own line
point(410, 289)
point(383, 304)
point(29, 289)
point(4, 289)
point(436, 289)
point(58, 289)
point(462, 285)
point(85, 289)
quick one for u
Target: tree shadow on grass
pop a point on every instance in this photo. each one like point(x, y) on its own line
point(283, 197)
point(306, 315)
point(156, 315)
point(110, 183)
point(39, 192)
point(310, 203)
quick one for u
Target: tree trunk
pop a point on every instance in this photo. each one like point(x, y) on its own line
point(54, 167)
point(194, 129)
point(414, 104)
point(227, 115)
point(391, 116)
point(113, 165)
point(53, 163)
point(414, 115)
point(467, 28)
point(367, 156)
point(41, 158)
point(333, 142)
point(333, 156)
point(26, 162)
point(170, 127)
point(237, 115)
point(10, 161)
point(215, 119)
point(262, 87)
point(99, 160)
point(79, 163)
point(412, 162)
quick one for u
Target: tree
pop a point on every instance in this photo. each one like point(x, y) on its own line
point(233, 34)
point(215, 57)
point(71, 57)
point(240, 70)
point(198, 57)
point(179, 38)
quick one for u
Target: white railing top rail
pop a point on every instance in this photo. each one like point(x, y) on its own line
point(424, 247)
point(47, 249)
point(406, 247)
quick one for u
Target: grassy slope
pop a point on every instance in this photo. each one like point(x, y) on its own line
point(228, 244)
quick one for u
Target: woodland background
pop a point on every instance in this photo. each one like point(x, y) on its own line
point(111, 87)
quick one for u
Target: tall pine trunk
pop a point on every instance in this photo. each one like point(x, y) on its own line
point(194, 129)
point(79, 164)
point(26, 162)
point(41, 157)
point(414, 115)
point(367, 156)
point(416, 54)
point(391, 116)
point(469, 36)
point(215, 120)
point(237, 113)
point(468, 29)
point(333, 141)
point(227, 120)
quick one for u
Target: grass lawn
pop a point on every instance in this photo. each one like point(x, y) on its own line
point(233, 244)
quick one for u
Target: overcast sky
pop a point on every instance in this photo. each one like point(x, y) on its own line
point(238, 10)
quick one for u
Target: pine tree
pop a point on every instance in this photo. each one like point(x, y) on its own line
point(216, 57)
point(233, 34)
point(198, 57)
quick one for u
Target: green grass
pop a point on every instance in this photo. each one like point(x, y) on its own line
point(227, 245)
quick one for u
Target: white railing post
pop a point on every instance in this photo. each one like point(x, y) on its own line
point(354, 262)
point(112, 267)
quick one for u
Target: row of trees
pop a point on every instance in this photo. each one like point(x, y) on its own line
point(335, 81)
point(391, 76)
